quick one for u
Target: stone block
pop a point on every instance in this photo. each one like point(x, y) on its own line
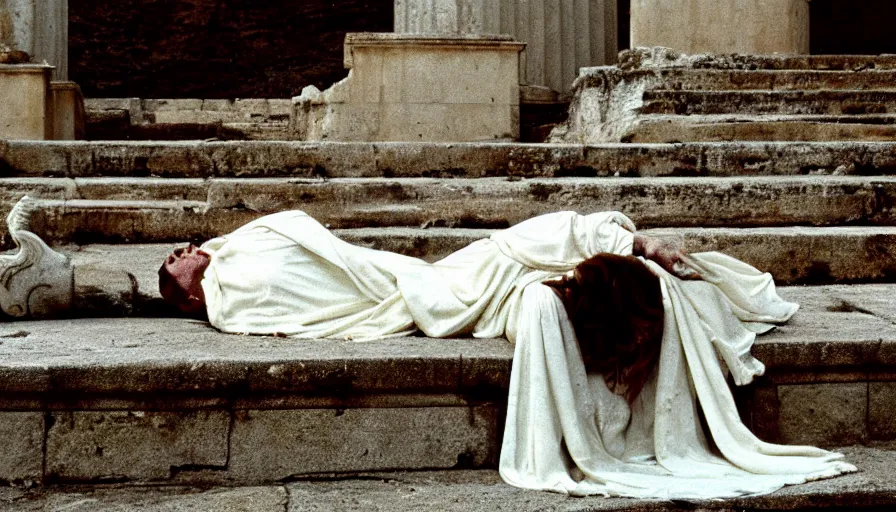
point(882, 411)
point(217, 105)
point(27, 158)
point(823, 414)
point(254, 108)
point(272, 445)
point(69, 117)
point(166, 105)
point(141, 189)
point(134, 445)
point(396, 91)
point(196, 116)
point(27, 101)
point(22, 454)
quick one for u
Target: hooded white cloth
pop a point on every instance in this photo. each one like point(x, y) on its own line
point(565, 431)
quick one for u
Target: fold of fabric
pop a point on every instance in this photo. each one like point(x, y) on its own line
point(286, 273)
point(567, 432)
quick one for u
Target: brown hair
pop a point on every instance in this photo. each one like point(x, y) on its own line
point(616, 307)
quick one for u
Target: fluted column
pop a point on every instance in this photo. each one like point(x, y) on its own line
point(38, 27)
point(561, 35)
point(722, 26)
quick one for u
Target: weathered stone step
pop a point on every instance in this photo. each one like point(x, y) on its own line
point(828, 102)
point(654, 58)
point(482, 490)
point(663, 128)
point(168, 399)
point(156, 210)
point(695, 79)
point(795, 255)
point(464, 160)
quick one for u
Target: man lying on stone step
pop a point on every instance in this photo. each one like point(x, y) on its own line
point(614, 354)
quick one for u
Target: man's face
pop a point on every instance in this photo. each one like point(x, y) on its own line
point(187, 265)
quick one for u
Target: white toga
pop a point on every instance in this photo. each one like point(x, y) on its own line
point(565, 431)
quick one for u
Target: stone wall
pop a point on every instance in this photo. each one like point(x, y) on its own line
point(214, 48)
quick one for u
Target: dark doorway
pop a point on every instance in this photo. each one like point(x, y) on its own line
point(852, 27)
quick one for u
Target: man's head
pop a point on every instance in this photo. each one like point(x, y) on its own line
point(180, 279)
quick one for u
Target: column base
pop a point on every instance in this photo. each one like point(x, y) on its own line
point(405, 87)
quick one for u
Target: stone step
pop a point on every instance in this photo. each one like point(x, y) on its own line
point(660, 58)
point(170, 400)
point(463, 160)
point(661, 128)
point(695, 79)
point(453, 491)
point(819, 102)
point(134, 210)
point(126, 281)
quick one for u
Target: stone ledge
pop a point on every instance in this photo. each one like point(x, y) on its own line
point(794, 255)
point(817, 102)
point(839, 328)
point(453, 491)
point(660, 58)
point(470, 160)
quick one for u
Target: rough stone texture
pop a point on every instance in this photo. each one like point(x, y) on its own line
point(718, 128)
point(396, 91)
point(276, 445)
point(837, 328)
point(22, 456)
point(726, 26)
point(698, 78)
point(189, 119)
point(819, 102)
point(882, 410)
point(138, 445)
point(823, 414)
point(27, 111)
point(651, 94)
point(470, 160)
point(211, 49)
point(659, 58)
point(161, 212)
point(460, 491)
point(148, 498)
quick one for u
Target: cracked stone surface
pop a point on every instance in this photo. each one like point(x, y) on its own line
point(146, 355)
point(461, 491)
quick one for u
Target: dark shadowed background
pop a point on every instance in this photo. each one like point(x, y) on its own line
point(214, 48)
point(273, 48)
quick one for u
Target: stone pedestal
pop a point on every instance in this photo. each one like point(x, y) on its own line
point(722, 26)
point(68, 111)
point(404, 87)
point(561, 35)
point(38, 27)
point(27, 102)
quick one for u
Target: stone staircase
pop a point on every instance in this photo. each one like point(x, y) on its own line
point(128, 392)
point(657, 95)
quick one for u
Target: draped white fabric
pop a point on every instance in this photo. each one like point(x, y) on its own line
point(567, 432)
point(285, 273)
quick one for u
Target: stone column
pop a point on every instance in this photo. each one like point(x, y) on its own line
point(561, 35)
point(722, 26)
point(38, 27)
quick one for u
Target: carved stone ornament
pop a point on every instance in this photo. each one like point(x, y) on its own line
point(35, 281)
